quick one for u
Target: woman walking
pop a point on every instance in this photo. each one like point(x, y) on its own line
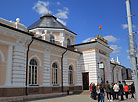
point(98, 91)
point(126, 90)
point(116, 90)
point(112, 91)
point(91, 89)
point(102, 92)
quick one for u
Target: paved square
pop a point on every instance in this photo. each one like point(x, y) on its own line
point(77, 98)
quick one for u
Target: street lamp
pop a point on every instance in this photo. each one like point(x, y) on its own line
point(132, 51)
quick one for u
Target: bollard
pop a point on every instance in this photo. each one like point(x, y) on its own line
point(67, 92)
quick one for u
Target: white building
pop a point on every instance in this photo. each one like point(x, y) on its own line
point(44, 58)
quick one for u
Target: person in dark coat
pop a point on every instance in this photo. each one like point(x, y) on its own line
point(107, 88)
point(94, 91)
point(132, 90)
point(102, 92)
point(121, 90)
point(112, 91)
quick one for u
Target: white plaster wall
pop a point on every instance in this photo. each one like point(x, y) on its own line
point(65, 71)
point(89, 59)
point(79, 72)
point(18, 68)
point(46, 72)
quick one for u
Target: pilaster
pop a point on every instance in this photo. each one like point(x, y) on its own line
point(9, 66)
point(46, 72)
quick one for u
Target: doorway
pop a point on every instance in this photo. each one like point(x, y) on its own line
point(85, 77)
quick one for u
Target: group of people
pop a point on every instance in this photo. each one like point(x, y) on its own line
point(113, 91)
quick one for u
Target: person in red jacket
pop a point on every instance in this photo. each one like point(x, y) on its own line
point(91, 85)
point(126, 90)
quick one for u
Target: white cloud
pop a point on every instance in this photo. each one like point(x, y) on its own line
point(125, 26)
point(128, 57)
point(111, 38)
point(115, 48)
point(127, 51)
point(61, 21)
point(58, 3)
point(63, 13)
point(41, 7)
point(87, 40)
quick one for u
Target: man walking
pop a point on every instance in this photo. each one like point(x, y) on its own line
point(121, 91)
point(107, 88)
point(132, 90)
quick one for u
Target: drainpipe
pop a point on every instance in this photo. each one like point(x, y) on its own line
point(26, 88)
point(62, 70)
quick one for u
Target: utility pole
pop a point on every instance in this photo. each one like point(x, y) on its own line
point(132, 50)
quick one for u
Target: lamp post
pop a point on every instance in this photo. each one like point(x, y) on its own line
point(132, 52)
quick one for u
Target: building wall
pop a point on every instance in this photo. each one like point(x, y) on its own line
point(116, 72)
point(13, 56)
point(3, 64)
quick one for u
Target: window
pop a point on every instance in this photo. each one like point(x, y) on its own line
point(33, 72)
point(52, 39)
point(70, 75)
point(68, 42)
point(54, 74)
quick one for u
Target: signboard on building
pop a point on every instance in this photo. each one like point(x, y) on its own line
point(101, 38)
point(101, 65)
point(102, 52)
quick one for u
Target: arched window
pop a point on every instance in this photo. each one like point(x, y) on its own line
point(54, 74)
point(33, 72)
point(68, 42)
point(52, 39)
point(70, 75)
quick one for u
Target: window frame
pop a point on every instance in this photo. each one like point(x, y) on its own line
point(54, 74)
point(52, 39)
point(70, 76)
point(33, 73)
point(68, 42)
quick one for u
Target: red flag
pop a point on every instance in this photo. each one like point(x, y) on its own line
point(100, 27)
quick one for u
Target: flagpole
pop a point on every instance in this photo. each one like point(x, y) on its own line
point(100, 27)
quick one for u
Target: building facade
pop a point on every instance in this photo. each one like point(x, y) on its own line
point(44, 58)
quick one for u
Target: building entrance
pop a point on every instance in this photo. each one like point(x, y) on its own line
point(85, 77)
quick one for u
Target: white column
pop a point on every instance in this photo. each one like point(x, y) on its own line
point(79, 73)
point(19, 66)
point(65, 71)
point(46, 72)
point(9, 66)
point(120, 75)
point(115, 77)
point(62, 38)
point(109, 77)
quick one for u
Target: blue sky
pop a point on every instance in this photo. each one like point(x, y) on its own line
point(81, 16)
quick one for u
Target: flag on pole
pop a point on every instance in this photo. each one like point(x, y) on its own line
point(100, 27)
